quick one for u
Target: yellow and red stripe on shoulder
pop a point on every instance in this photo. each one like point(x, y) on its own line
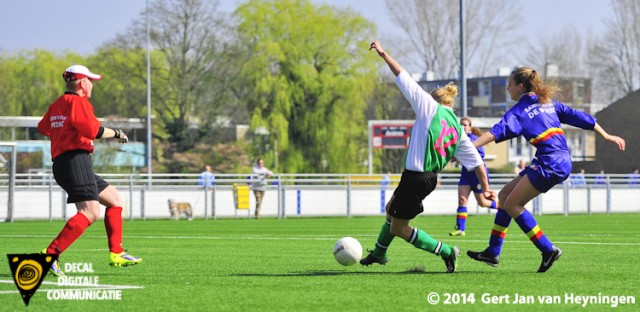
point(545, 135)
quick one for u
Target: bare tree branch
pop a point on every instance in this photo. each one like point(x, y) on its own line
point(432, 28)
point(563, 49)
point(616, 55)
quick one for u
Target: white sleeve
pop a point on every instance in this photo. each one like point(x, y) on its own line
point(422, 102)
point(467, 154)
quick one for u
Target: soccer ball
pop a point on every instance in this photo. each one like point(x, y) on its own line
point(347, 251)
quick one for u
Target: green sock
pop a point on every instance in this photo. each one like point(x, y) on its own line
point(384, 240)
point(422, 240)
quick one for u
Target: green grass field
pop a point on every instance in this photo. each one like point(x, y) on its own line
point(287, 265)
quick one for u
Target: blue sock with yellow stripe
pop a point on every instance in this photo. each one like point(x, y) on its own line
point(498, 232)
point(529, 226)
point(461, 218)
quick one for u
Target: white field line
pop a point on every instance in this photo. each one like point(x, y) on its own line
point(320, 238)
point(92, 287)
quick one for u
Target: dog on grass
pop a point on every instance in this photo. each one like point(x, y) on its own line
point(178, 208)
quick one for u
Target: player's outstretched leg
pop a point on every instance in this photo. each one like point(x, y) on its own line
point(420, 239)
point(491, 255)
point(379, 253)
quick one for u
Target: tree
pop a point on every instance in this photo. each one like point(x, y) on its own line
point(310, 74)
point(432, 29)
point(123, 91)
point(616, 55)
point(31, 80)
point(191, 76)
point(564, 49)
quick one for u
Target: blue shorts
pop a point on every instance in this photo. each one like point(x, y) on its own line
point(470, 178)
point(546, 171)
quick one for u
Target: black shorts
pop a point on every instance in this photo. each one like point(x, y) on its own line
point(412, 190)
point(73, 172)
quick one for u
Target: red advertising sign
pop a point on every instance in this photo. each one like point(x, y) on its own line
point(391, 135)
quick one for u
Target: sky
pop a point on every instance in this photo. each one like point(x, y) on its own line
point(82, 26)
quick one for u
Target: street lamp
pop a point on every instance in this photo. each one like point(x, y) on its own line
point(149, 161)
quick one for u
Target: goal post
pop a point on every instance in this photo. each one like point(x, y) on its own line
point(8, 157)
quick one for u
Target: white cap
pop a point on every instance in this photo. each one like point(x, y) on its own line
point(76, 72)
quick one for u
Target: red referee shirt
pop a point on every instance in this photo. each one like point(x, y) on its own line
point(70, 123)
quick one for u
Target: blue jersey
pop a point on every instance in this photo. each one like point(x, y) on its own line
point(540, 124)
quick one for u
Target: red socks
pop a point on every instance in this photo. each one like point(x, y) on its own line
point(113, 224)
point(71, 231)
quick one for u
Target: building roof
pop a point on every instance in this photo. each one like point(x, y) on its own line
point(119, 155)
point(32, 122)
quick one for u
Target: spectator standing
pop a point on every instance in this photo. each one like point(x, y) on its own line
point(259, 186)
point(206, 178)
point(601, 178)
point(578, 180)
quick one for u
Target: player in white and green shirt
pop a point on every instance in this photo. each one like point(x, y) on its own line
point(435, 139)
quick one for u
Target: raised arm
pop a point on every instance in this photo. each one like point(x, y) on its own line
point(615, 139)
point(393, 65)
point(484, 139)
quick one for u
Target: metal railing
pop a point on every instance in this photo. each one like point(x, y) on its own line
point(302, 195)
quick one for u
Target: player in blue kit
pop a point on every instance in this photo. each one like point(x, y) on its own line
point(538, 119)
point(469, 182)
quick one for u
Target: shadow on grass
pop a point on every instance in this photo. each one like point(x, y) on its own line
point(417, 270)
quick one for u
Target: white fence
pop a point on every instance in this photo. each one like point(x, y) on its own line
point(37, 196)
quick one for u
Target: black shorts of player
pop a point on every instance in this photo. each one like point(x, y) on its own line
point(412, 190)
point(73, 172)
